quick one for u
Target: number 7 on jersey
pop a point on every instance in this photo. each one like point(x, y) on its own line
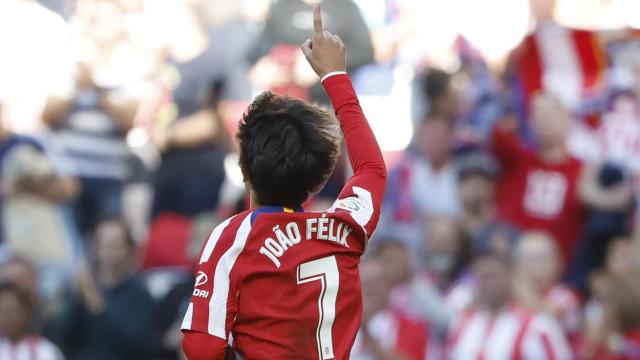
point(326, 271)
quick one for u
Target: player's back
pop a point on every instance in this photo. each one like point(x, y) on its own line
point(294, 290)
point(276, 283)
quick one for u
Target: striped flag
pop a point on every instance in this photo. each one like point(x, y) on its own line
point(568, 63)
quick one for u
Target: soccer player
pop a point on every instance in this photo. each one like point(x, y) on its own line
point(276, 282)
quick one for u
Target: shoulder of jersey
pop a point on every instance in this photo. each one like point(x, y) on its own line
point(223, 234)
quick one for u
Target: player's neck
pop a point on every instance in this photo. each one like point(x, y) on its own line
point(253, 202)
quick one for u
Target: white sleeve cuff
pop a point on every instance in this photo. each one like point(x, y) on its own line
point(333, 73)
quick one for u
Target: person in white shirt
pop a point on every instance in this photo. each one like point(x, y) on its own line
point(17, 342)
point(538, 285)
point(497, 327)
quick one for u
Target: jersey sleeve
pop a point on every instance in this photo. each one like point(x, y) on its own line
point(362, 195)
point(214, 302)
point(200, 346)
point(506, 147)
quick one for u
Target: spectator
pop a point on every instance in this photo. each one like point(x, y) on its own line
point(24, 274)
point(538, 285)
point(498, 327)
point(188, 131)
point(374, 341)
point(545, 189)
point(610, 190)
point(32, 222)
point(441, 286)
point(435, 96)
point(620, 263)
point(397, 260)
point(17, 342)
point(414, 296)
point(618, 335)
point(21, 272)
point(108, 315)
point(448, 254)
point(434, 180)
point(91, 123)
point(423, 183)
point(476, 189)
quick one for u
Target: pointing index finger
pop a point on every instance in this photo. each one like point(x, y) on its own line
point(317, 20)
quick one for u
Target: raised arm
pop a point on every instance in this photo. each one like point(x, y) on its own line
point(363, 193)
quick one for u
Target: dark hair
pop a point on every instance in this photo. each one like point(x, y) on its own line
point(477, 164)
point(288, 148)
point(8, 287)
point(436, 83)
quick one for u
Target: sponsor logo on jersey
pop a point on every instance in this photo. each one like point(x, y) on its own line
point(200, 293)
point(201, 279)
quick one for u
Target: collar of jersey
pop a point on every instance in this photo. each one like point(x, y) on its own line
point(274, 209)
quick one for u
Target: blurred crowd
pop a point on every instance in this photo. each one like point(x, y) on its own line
point(509, 228)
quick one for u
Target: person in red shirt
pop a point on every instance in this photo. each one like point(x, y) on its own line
point(275, 282)
point(546, 188)
point(538, 189)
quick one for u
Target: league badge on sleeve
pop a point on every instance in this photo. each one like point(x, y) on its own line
point(351, 204)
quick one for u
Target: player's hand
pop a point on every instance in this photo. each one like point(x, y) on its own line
point(324, 51)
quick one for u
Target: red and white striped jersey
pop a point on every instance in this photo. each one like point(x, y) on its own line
point(279, 283)
point(396, 333)
point(512, 334)
point(566, 307)
point(31, 348)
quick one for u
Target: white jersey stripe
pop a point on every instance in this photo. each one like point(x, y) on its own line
point(186, 322)
point(221, 281)
point(363, 216)
point(562, 74)
point(213, 240)
point(360, 207)
point(495, 336)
